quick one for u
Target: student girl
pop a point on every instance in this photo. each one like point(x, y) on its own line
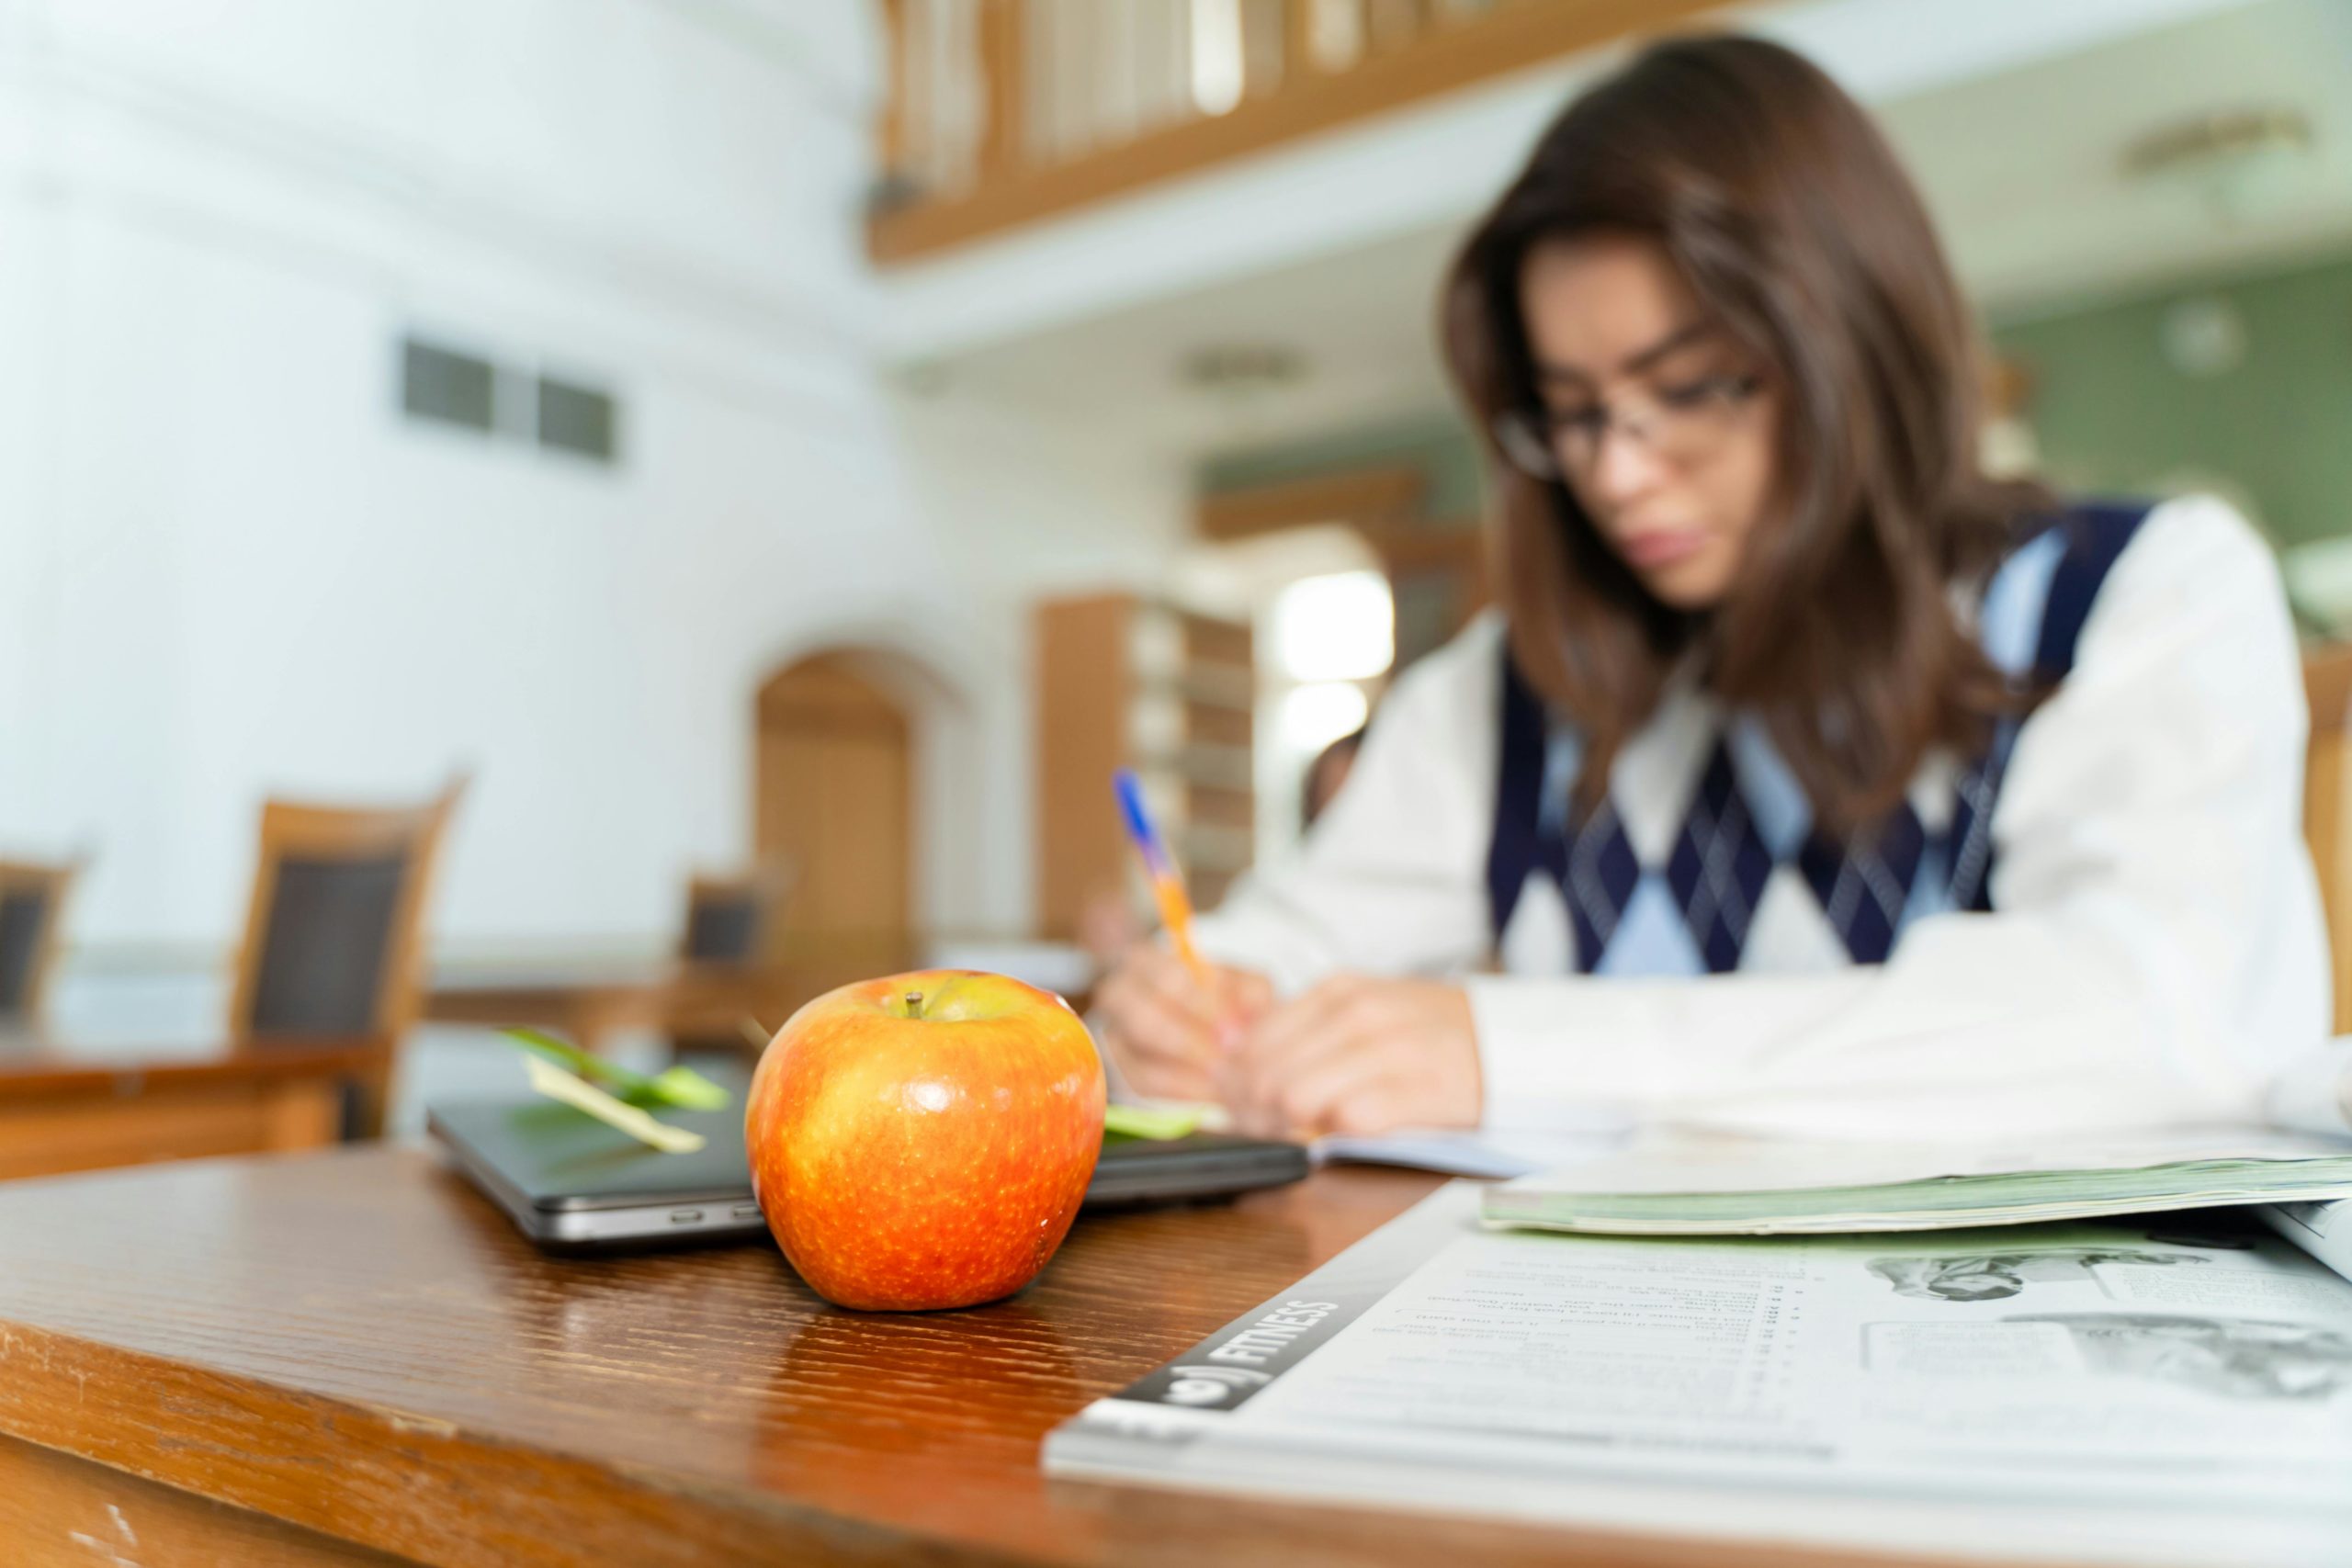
point(1808, 779)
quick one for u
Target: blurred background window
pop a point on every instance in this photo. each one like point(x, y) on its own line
point(1334, 639)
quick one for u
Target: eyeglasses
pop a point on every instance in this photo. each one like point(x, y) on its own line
point(1678, 425)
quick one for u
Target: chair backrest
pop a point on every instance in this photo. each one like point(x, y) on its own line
point(32, 905)
point(729, 918)
point(2328, 806)
point(334, 934)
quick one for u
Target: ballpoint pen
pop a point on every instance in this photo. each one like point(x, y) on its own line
point(1167, 881)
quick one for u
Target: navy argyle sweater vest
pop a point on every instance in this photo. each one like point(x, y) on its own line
point(1744, 822)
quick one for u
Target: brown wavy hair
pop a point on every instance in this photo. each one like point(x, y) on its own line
point(1785, 212)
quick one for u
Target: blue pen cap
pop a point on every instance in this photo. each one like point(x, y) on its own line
point(1129, 790)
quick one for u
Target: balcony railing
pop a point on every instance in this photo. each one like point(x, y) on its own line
point(1004, 112)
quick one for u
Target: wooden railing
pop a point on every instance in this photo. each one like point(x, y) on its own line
point(1004, 112)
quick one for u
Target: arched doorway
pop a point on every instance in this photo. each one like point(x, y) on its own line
point(833, 797)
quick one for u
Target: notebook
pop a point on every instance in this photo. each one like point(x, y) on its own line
point(1687, 1184)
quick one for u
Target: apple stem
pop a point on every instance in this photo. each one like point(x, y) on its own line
point(914, 1004)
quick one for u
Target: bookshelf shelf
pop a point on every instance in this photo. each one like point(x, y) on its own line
point(1128, 681)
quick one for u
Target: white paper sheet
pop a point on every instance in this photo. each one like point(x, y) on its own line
point(1457, 1152)
point(2113, 1392)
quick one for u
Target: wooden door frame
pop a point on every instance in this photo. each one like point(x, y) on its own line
point(857, 662)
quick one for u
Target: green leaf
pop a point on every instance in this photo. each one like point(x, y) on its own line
point(680, 1086)
point(689, 1090)
point(564, 1053)
point(579, 1093)
point(1155, 1122)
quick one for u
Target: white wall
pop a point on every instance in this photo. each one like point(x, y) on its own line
point(1027, 508)
point(229, 567)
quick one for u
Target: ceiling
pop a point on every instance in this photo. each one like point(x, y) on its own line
point(2023, 167)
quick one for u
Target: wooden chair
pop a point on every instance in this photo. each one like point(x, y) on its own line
point(33, 905)
point(333, 941)
point(2328, 806)
point(727, 958)
point(730, 920)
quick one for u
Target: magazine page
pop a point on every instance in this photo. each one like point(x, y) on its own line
point(2135, 1391)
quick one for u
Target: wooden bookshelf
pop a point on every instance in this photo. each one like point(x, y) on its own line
point(1125, 681)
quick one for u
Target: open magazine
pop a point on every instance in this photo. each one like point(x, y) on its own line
point(2168, 1388)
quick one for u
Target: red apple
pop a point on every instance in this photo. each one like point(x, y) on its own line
point(923, 1141)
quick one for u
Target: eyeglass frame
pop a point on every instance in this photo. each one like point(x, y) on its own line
point(1527, 436)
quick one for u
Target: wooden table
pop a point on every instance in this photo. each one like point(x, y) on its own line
point(350, 1357)
point(591, 1005)
point(68, 1105)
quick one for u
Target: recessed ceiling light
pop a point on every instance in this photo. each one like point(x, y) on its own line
point(1233, 367)
point(2220, 137)
point(2235, 162)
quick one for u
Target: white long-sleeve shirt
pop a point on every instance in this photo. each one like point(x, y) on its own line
point(2155, 951)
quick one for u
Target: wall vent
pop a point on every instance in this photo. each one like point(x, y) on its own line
point(579, 419)
point(442, 384)
point(450, 385)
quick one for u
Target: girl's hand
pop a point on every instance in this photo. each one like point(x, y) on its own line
point(1168, 1039)
point(1357, 1054)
